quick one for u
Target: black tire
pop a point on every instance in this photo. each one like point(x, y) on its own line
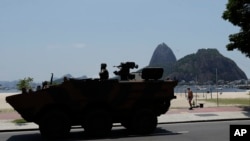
point(164, 108)
point(54, 124)
point(144, 122)
point(126, 123)
point(98, 123)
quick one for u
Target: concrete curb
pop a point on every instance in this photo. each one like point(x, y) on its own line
point(212, 120)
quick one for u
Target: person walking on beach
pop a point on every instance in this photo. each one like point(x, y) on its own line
point(190, 97)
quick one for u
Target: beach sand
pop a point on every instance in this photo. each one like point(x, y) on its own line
point(3, 104)
point(179, 102)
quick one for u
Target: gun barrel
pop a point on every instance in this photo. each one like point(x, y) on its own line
point(51, 79)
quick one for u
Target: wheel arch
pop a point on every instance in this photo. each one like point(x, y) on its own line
point(50, 108)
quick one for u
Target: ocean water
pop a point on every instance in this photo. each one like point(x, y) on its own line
point(10, 91)
point(201, 89)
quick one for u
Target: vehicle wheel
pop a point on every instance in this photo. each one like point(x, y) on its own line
point(144, 122)
point(54, 124)
point(126, 124)
point(98, 123)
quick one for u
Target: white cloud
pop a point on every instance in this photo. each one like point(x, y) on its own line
point(69, 46)
point(79, 45)
point(54, 46)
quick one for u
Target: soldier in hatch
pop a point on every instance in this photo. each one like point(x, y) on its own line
point(104, 74)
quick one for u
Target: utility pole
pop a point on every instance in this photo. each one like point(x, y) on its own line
point(196, 91)
point(217, 88)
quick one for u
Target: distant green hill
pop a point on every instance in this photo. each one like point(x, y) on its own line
point(203, 66)
point(200, 66)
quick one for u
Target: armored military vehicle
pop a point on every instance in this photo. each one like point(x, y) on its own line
point(96, 104)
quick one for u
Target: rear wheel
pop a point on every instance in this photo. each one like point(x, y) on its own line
point(144, 122)
point(98, 123)
point(126, 123)
point(54, 124)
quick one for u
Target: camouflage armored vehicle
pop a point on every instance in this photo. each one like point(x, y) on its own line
point(96, 104)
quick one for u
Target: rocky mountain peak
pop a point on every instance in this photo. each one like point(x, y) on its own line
point(162, 55)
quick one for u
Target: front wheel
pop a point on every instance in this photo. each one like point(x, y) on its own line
point(54, 124)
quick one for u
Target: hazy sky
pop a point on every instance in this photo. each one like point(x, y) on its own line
point(76, 36)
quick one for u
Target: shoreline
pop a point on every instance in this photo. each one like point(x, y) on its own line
point(179, 102)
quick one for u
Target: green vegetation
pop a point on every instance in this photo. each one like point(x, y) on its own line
point(19, 121)
point(25, 83)
point(238, 12)
point(234, 101)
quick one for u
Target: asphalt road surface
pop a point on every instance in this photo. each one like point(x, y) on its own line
point(199, 131)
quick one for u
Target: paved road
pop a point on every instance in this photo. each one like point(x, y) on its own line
point(199, 131)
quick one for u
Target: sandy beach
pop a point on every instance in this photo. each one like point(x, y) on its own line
point(179, 102)
point(3, 104)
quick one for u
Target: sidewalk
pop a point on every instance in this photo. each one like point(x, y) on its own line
point(178, 115)
point(205, 114)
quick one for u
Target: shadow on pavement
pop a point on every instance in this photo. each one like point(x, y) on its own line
point(80, 135)
point(26, 137)
point(246, 111)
